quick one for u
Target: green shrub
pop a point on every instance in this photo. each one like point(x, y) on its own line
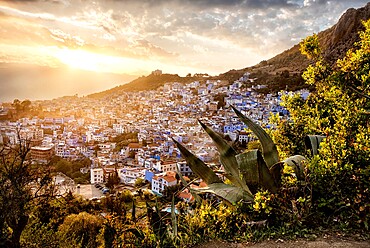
point(80, 230)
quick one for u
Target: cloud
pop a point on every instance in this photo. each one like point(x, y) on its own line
point(66, 39)
point(207, 4)
point(149, 49)
point(206, 33)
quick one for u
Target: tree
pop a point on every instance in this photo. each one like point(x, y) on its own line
point(26, 105)
point(64, 166)
point(338, 109)
point(171, 191)
point(22, 186)
point(17, 105)
point(80, 230)
point(139, 182)
point(221, 100)
point(113, 179)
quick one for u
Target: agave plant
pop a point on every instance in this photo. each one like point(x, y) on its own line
point(249, 168)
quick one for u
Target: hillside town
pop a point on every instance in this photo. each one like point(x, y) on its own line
point(83, 127)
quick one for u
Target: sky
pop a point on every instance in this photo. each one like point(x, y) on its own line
point(135, 37)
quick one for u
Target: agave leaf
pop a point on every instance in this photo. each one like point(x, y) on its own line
point(133, 213)
point(137, 232)
point(313, 143)
point(227, 157)
point(198, 166)
point(230, 193)
point(173, 218)
point(297, 162)
point(155, 220)
point(254, 169)
point(269, 150)
point(248, 166)
point(186, 185)
point(276, 171)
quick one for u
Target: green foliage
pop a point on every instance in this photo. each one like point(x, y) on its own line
point(126, 196)
point(80, 230)
point(310, 47)
point(37, 234)
point(339, 173)
point(254, 144)
point(139, 182)
point(122, 140)
point(25, 108)
point(72, 168)
point(157, 224)
point(290, 134)
point(261, 203)
point(170, 191)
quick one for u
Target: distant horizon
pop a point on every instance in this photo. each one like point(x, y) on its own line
point(9, 98)
point(80, 41)
point(70, 82)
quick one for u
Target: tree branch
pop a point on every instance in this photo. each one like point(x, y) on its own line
point(358, 92)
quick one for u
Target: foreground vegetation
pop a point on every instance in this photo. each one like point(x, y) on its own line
point(331, 191)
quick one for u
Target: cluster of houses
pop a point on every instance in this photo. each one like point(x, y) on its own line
point(80, 127)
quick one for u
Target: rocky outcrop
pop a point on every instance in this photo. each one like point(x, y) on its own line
point(334, 41)
point(341, 37)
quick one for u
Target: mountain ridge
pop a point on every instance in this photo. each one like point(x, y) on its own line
point(334, 41)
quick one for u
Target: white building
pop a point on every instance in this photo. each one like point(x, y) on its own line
point(60, 149)
point(165, 166)
point(246, 137)
point(151, 163)
point(129, 175)
point(97, 175)
point(119, 128)
point(184, 168)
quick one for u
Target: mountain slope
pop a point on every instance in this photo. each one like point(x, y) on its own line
point(150, 82)
point(283, 70)
point(334, 41)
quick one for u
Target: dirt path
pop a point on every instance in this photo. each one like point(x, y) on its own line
point(328, 242)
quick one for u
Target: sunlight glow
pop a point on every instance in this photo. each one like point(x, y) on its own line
point(85, 60)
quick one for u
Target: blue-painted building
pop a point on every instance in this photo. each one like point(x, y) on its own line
point(234, 127)
point(149, 175)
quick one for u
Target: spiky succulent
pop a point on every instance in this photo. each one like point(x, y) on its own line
point(248, 168)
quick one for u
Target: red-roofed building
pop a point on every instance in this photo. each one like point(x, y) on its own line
point(187, 196)
point(132, 147)
point(159, 183)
